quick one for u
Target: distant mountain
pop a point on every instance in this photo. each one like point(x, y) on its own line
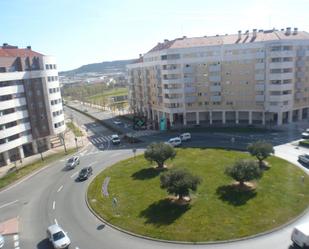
point(103, 67)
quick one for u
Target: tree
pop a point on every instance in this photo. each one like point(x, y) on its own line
point(159, 152)
point(179, 182)
point(244, 170)
point(261, 150)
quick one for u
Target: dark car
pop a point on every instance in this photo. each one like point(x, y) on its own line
point(84, 173)
point(304, 159)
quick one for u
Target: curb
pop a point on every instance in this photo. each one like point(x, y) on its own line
point(188, 242)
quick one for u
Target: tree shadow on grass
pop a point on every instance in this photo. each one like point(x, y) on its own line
point(164, 212)
point(234, 195)
point(147, 173)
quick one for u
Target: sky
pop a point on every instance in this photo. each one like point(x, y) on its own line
point(80, 32)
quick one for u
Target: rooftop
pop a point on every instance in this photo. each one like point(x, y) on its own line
point(240, 38)
point(13, 51)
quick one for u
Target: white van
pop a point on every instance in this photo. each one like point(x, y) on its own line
point(300, 235)
point(176, 141)
point(185, 136)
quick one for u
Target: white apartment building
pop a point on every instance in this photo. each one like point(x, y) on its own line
point(251, 78)
point(30, 103)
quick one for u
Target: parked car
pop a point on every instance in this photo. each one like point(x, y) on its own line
point(84, 173)
point(185, 136)
point(305, 134)
point(304, 158)
point(115, 139)
point(58, 237)
point(1, 241)
point(73, 162)
point(176, 141)
point(300, 235)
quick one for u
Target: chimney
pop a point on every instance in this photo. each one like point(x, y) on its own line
point(165, 40)
point(29, 47)
point(247, 32)
point(140, 56)
point(5, 44)
point(254, 33)
point(295, 31)
point(288, 31)
point(239, 34)
point(184, 37)
point(261, 30)
point(282, 29)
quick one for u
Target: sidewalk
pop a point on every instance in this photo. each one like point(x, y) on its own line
point(70, 144)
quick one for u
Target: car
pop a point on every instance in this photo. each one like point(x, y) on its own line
point(58, 237)
point(84, 173)
point(1, 241)
point(185, 136)
point(115, 139)
point(305, 135)
point(72, 162)
point(176, 141)
point(304, 158)
point(117, 122)
point(300, 235)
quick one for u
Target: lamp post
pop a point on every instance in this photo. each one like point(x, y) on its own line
point(76, 143)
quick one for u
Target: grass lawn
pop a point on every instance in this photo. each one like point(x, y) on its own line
point(216, 212)
point(109, 93)
point(26, 170)
point(77, 132)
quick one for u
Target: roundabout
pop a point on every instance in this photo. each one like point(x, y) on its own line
point(217, 210)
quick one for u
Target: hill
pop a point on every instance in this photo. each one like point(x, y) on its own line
point(103, 67)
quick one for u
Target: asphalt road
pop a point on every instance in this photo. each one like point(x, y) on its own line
point(53, 195)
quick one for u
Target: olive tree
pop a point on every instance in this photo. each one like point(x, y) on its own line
point(261, 150)
point(244, 170)
point(159, 152)
point(179, 182)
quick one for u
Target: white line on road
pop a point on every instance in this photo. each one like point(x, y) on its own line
point(59, 189)
point(15, 237)
point(16, 244)
point(74, 174)
point(54, 205)
point(8, 204)
point(56, 222)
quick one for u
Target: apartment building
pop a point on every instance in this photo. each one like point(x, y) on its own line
point(249, 78)
point(30, 103)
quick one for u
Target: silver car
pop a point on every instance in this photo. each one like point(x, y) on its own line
point(72, 162)
point(58, 237)
point(304, 158)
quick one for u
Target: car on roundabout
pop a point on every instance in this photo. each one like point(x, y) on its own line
point(72, 162)
point(58, 237)
point(185, 136)
point(115, 139)
point(300, 235)
point(85, 173)
point(174, 142)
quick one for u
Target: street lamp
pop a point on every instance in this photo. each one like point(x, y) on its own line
point(76, 143)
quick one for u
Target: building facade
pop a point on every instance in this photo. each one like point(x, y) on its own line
point(31, 108)
point(252, 78)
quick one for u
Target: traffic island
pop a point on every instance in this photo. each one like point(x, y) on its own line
point(218, 211)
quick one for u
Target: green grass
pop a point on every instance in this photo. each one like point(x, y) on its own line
point(77, 132)
point(26, 170)
point(216, 212)
point(109, 93)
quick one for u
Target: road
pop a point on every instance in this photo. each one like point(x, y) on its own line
point(53, 195)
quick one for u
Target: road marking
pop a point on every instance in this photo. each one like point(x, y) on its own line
point(16, 244)
point(56, 222)
point(76, 247)
point(54, 205)
point(15, 237)
point(74, 174)
point(8, 204)
point(59, 189)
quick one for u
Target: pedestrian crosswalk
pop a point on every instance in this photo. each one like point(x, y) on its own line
point(100, 139)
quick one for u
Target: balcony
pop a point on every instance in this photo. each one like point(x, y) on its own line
point(214, 68)
point(12, 103)
point(215, 88)
point(14, 130)
point(172, 100)
point(260, 77)
point(299, 85)
point(280, 87)
point(11, 89)
point(172, 81)
point(300, 75)
point(300, 63)
point(259, 66)
point(287, 53)
point(188, 80)
point(280, 98)
point(259, 87)
point(172, 90)
point(215, 98)
point(190, 99)
point(260, 55)
point(171, 71)
point(215, 78)
point(287, 64)
point(13, 117)
point(260, 98)
point(15, 143)
point(190, 89)
point(299, 95)
point(281, 76)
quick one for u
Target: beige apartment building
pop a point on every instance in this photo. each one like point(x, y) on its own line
point(250, 78)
